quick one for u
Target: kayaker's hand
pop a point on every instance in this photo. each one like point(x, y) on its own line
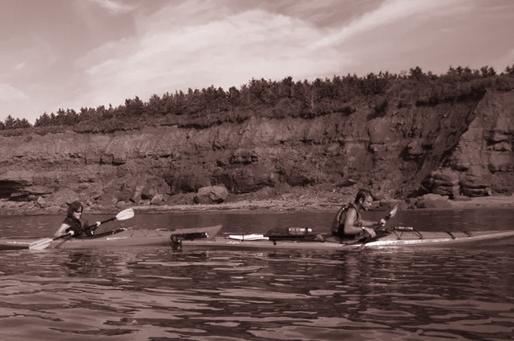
point(370, 231)
point(94, 226)
point(71, 232)
point(382, 222)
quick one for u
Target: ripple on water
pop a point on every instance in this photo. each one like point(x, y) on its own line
point(154, 293)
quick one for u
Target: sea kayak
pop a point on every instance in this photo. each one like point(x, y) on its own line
point(119, 238)
point(396, 237)
point(204, 238)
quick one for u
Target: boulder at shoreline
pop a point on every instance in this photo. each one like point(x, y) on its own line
point(291, 202)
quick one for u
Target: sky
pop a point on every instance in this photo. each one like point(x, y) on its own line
point(85, 53)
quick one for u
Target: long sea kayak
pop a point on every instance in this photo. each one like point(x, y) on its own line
point(397, 237)
point(120, 238)
point(205, 238)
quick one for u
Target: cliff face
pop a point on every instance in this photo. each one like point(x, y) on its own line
point(394, 152)
point(484, 157)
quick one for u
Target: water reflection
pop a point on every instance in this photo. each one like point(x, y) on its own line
point(275, 295)
point(92, 264)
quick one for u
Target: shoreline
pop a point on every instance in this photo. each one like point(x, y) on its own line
point(285, 204)
point(484, 202)
point(279, 206)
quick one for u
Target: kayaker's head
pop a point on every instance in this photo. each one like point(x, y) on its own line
point(75, 210)
point(364, 199)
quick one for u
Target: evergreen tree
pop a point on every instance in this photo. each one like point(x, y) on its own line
point(23, 123)
point(9, 122)
point(510, 70)
point(43, 120)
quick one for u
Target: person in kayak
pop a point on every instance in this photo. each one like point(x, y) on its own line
point(348, 222)
point(74, 225)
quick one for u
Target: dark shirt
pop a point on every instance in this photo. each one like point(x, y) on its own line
point(80, 228)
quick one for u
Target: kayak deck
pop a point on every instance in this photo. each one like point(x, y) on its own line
point(394, 239)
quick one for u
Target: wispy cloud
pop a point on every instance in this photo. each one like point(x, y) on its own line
point(9, 93)
point(389, 12)
point(226, 50)
point(195, 44)
point(113, 6)
point(20, 65)
point(96, 52)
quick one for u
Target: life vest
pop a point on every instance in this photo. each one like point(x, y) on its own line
point(79, 228)
point(338, 223)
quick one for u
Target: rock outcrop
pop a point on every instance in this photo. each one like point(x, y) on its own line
point(211, 195)
point(483, 156)
point(454, 148)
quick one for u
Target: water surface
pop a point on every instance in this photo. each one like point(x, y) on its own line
point(157, 294)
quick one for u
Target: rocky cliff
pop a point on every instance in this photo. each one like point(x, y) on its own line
point(463, 146)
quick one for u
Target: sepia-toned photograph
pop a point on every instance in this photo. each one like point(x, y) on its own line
point(235, 170)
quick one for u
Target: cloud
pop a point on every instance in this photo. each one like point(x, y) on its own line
point(20, 65)
point(505, 60)
point(13, 102)
point(114, 7)
point(9, 93)
point(389, 12)
point(195, 44)
point(227, 49)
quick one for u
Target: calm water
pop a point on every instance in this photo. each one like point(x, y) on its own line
point(156, 294)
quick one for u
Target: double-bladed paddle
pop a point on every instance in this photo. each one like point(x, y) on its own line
point(366, 239)
point(42, 244)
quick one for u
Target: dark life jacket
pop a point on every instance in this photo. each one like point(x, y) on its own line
point(338, 223)
point(80, 229)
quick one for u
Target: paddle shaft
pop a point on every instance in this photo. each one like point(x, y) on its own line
point(123, 215)
point(108, 220)
point(391, 214)
point(366, 239)
point(103, 222)
point(62, 236)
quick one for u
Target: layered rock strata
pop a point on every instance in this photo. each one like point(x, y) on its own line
point(462, 147)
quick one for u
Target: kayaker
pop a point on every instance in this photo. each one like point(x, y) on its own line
point(74, 225)
point(348, 222)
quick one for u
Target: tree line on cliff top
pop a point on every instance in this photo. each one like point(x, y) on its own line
point(273, 99)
